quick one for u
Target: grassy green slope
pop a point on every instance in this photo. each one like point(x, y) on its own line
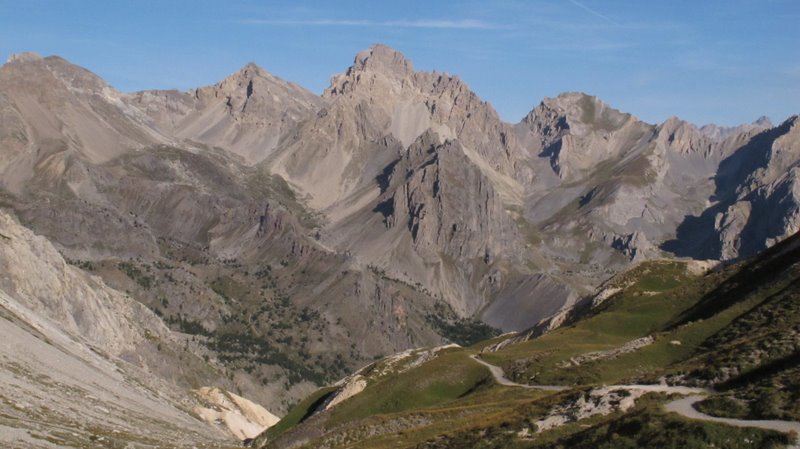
point(725, 329)
point(643, 308)
point(736, 330)
point(755, 359)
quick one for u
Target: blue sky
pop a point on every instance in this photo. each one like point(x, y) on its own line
point(726, 62)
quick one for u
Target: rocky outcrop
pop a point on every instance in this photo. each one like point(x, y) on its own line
point(598, 401)
point(448, 205)
point(767, 205)
point(42, 283)
point(236, 415)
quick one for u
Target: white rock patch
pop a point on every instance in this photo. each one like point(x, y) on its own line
point(238, 416)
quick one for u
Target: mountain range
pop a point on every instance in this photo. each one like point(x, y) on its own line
point(278, 240)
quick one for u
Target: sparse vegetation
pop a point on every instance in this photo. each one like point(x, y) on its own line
point(652, 428)
point(462, 331)
point(187, 326)
point(87, 265)
point(132, 271)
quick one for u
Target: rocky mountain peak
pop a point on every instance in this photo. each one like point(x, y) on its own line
point(247, 112)
point(571, 113)
point(383, 59)
point(37, 72)
point(676, 124)
point(567, 100)
point(763, 122)
point(242, 78)
point(684, 137)
point(23, 57)
point(584, 109)
point(60, 106)
point(253, 89)
point(378, 68)
point(571, 101)
point(251, 69)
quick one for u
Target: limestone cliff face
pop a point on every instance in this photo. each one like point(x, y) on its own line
point(448, 205)
point(636, 185)
point(764, 208)
point(453, 220)
point(577, 132)
point(749, 204)
point(395, 203)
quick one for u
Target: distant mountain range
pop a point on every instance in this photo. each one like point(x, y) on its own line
point(286, 239)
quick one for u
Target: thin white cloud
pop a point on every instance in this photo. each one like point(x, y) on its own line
point(318, 22)
point(593, 12)
point(465, 24)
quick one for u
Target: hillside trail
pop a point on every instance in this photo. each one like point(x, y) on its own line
point(501, 378)
point(683, 406)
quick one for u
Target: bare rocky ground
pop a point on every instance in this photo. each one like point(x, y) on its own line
point(64, 340)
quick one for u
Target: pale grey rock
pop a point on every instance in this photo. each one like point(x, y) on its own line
point(716, 132)
point(55, 107)
point(79, 355)
point(246, 113)
point(36, 275)
point(576, 132)
point(380, 95)
point(530, 300)
point(23, 57)
point(754, 200)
